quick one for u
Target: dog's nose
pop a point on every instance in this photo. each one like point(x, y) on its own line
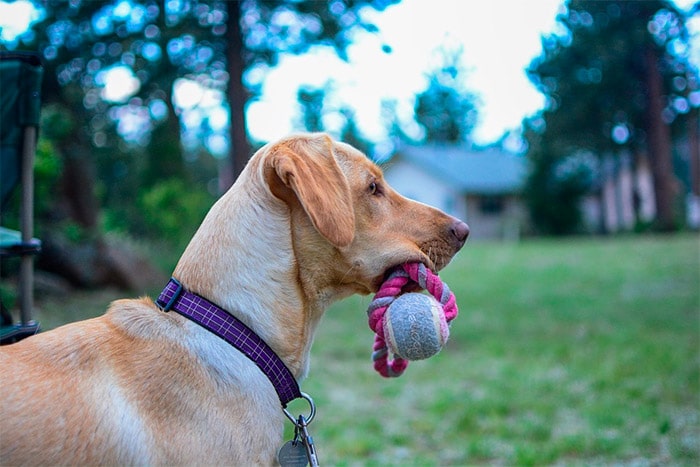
point(460, 231)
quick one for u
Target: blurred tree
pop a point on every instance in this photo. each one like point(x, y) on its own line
point(616, 77)
point(352, 135)
point(446, 110)
point(313, 109)
point(128, 141)
point(258, 31)
point(311, 101)
point(203, 48)
point(206, 46)
point(395, 128)
point(225, 47)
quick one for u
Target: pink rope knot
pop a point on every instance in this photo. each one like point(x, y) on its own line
point(392, 288)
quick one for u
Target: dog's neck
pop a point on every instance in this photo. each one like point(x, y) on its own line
point(224, 263)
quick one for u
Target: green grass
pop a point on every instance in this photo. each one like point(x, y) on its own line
point(572, 351)
point(576, 351)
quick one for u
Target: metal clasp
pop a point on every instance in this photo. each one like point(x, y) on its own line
point(311, 416)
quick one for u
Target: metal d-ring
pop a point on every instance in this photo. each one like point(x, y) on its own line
point(311, 415)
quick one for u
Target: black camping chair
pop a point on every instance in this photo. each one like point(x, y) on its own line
point(20, 105)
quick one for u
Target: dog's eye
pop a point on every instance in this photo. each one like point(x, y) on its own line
point(373, 188)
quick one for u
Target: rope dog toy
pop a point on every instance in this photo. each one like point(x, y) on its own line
point(410, 326)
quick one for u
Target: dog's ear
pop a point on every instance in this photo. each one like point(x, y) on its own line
point(305, 167)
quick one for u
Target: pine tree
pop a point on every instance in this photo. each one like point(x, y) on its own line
point(612, 82)
point(446, 110)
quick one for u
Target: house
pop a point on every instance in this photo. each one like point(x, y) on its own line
point(481, 187)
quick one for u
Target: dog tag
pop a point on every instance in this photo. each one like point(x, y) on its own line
point(293, 454)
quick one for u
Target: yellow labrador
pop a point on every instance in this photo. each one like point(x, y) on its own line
point(308, 222)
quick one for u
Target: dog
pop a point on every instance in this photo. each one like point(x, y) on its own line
point(309, 221)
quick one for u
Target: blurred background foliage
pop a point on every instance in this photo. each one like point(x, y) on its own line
point(617, 81)
point(149, 162)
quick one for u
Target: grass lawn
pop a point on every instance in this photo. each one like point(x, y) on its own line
point(583, 351)
point(576, 351)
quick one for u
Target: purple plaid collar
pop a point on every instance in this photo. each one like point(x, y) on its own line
point(218, 321)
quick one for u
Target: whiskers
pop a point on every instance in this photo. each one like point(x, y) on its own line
point(432, 257)
point(436, 255)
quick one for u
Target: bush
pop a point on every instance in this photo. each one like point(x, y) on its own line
point(172, 210)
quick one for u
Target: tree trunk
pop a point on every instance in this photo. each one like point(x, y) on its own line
point(659, 135)
point(239, 148)
point(164, 152)
point(694, 146)
point(78, 186)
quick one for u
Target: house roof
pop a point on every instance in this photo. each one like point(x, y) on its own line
point(486, 171)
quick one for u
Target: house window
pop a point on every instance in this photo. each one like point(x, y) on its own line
point(491, 205)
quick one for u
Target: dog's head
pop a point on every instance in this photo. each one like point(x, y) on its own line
point(349, 227)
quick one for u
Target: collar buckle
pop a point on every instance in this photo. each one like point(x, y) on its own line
point(176, 288)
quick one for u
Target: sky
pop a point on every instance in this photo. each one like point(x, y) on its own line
point(498, 38)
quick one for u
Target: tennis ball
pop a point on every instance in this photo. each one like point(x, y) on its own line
point(415, 327)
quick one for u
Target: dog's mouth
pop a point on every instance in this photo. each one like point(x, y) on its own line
point(411, 286)
point(433, 255)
